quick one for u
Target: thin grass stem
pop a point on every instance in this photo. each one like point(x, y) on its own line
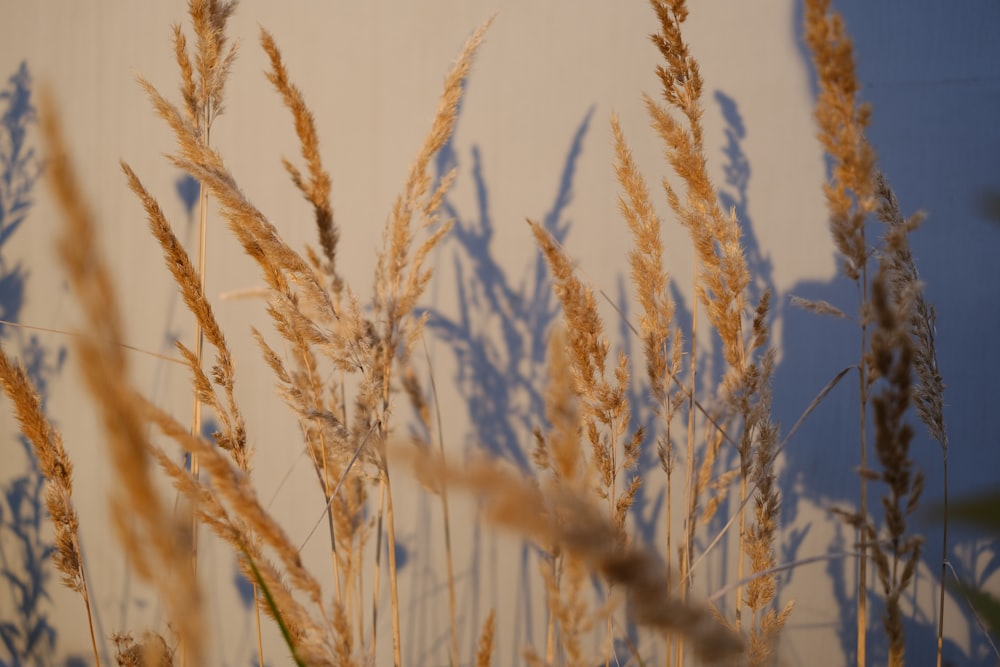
point(944, 553)
point(449, 561)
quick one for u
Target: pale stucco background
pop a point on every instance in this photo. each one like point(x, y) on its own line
point(533, 141)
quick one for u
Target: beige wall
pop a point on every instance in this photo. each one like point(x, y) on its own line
point(548, 73)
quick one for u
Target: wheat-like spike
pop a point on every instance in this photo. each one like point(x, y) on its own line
point(850, 195)
point(604, 404)
point(317, 189)
point(759, 544)
point(661, 341)
point(281, 266)
point(392, 298)
point(723, 274)
point(189, 89)
point(850, 199)
point(57, 469)
point(817, 306)
point(212, 61)
point(928, 394)
point(55, 466)
point(484, 650)
point(233, 436)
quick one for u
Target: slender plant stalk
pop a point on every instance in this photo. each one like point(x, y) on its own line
point(390, 517)
point(550, 632)
point(742, 538)
point(376, 574)
point(850, 199)
point(944, 552)
point(256, 616)
point(863, 510)
point(199, 340)
point(449, 561)
point(690, 501)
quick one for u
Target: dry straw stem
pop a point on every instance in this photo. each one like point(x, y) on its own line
point(850, 197)
point(151, 538)
point(202, 91)
point(565, 518)
point(304, 389)
point(412, 387)
point(57, 468)
point(721, 286)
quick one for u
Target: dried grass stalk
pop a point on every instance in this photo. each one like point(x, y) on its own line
point(232, 435)
point(152, 539)
point(850, 199)
point(56, 467)
point(723, 276)
point(317, 188)
point(928, 392)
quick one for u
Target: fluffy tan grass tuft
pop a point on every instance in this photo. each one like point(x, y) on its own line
point(564, 518)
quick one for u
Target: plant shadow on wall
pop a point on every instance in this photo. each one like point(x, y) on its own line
point(733, 195)
point(26, 635)
point(935, 166)
point(501, 375)
point(500, 340)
